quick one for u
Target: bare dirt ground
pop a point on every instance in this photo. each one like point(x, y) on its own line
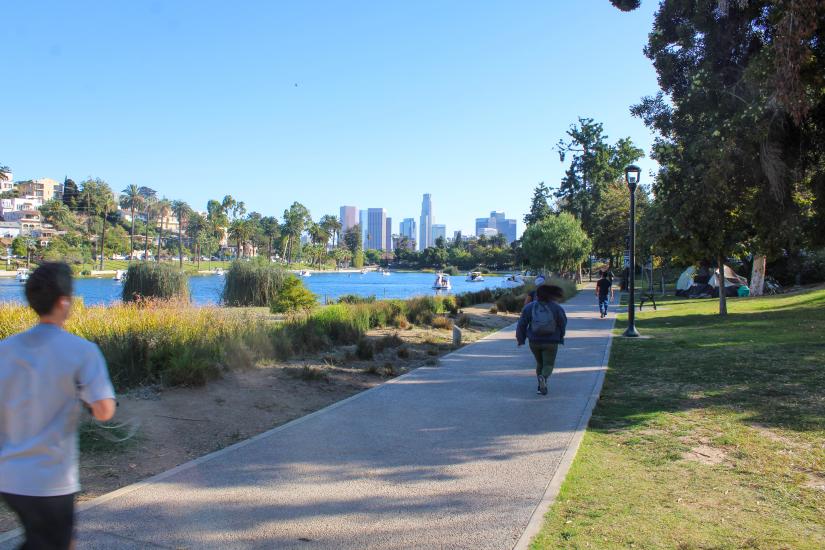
point(180, 424)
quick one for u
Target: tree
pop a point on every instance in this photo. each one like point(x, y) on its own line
point(149, 196)
point(539, 207)
point(163, 209)
point(240, 230)
point(556, 242)
point(295, 220)
point(196, 228)
point(182, 212)
point(70, 193)
point(332, 226)
point(352, 239)
point(105, 205)
point(132, 199)
point(271, 229)
point(58, 214)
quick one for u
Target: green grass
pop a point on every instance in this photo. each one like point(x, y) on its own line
point(189, 267)
point(707, 435)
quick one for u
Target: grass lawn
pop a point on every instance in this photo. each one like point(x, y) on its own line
point(710, 434)
point(114, 265)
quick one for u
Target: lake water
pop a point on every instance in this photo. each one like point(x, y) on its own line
point(206, 289)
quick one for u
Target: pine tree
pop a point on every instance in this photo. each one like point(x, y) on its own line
point(539, 207)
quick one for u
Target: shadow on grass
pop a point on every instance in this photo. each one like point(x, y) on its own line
point(765, 360)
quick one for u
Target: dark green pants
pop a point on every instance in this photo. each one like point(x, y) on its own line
point(545, 355)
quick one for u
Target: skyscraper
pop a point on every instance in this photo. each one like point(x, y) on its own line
point(426, 225)
point(376, 227)
point(349, 217)
point(388, 236)
point(407, 228)
point(439, 232)
point(498, 223)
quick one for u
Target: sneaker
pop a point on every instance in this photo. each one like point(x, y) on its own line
point(542, 385)
point(538, 388)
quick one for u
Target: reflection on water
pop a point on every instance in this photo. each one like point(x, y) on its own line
point(206, 290)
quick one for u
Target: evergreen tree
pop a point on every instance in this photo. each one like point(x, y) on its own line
point(539, 207)
point(70, 193)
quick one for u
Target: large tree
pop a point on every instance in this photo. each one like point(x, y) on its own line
point(539, 205)
point(182, 211)
point(557, 242)
point(295, 221)
point(132, 199)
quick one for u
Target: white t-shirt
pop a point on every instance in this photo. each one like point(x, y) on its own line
point(45, 373)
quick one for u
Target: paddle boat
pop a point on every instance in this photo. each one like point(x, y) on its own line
point(475, 277)
point(120, 276)
point(22, 275)
point(513, 281)
point(305, 273)
point(442, 282)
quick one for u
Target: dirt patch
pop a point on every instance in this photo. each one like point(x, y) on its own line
point(705, 454)
point(180, 424)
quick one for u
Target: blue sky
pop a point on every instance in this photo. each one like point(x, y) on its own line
point(370, 103)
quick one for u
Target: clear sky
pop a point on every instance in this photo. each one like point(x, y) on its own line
point(369, 103)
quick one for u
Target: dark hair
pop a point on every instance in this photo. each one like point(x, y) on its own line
point(545, 293)
point(603, 274)
point(47, 284)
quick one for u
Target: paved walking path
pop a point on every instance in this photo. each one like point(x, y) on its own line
point(454, 456)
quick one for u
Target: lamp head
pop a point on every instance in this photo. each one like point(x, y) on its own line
point(632, 174)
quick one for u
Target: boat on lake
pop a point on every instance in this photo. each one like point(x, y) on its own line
point(442, 282)
point(475, 277)
point(120, 276)
point(513, 281)
point(22, 275)
point(305, 273)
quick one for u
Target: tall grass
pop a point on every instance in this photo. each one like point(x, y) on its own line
point(147, 280)
point(164, 342)
point(252, 284)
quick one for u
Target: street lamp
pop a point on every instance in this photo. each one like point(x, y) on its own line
point(632, 174)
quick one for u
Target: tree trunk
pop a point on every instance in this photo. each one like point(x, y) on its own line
point(132, 236)
point(180, 242)
point(146, 240)
point(720, 281)
point(757, 286)
point(269, 258)
point(160, 233)
point(102, 241)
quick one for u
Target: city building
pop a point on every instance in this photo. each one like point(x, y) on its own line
point(9, 230)
point(497, 222)
point(29, 220)
point(349, 217)
point(44, 189)
point(439, 231)
point(362, 220)
point(19, 204)
point(6, 182)
point(407, 229)
point(376, 227)
point(388, 244)
point(426, 226)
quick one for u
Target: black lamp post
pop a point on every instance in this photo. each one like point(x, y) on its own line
point(632, 174)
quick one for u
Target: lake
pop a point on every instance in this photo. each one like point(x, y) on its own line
point(206, 289)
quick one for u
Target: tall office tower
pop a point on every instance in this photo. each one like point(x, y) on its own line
point(362, 220)
point(388, 236)
point(376, 226)
point(498, 223)
point(439, 231)
point(407, 229)
point(349, 217)
point(426, 225)
point(457, 235)
point(509, 230)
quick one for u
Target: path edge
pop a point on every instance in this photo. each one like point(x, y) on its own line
point(106, 497)
point(552, 490)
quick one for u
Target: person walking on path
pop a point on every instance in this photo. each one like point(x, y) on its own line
point(604, 290)
point(543, 322)
point(45, 374)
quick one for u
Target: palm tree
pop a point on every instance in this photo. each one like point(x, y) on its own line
point(240, 230)
point(182, 212)
point(105, 204)
point(132, 198)
point(163, 209)
point(295, 219)
point(271, 230)
point(195, 227)
point(149, 196)
point(332, 225)
point(57, 213)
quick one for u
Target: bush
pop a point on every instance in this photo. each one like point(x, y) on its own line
point(365, 350)
point(452, 271)
point(252, 284)
point(510, 303)
point(356, 299)
point(463, 321)
point(293, 296)
point(421, 310)
point(443, 323)
point(813, 267)
point(159, 281)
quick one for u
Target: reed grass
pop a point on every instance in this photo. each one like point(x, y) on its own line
point(253, 284)
point(148, 280)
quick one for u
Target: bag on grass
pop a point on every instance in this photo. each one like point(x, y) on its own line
point(543, 321)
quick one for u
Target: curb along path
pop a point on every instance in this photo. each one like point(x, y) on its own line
point(463, 455)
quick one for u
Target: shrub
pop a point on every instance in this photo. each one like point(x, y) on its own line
point(389, 341)
point(159, 281)
point(252, 284)
point(813, 267)
point(421, 310)
point(403, 353)
point(494, 310)
point(452, 271)
point(293, 296)
point(510, 303)
point(443, 323)
point(365, 350)
point(463, 321)
point(356, 299)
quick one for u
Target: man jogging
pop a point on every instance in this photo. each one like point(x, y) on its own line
point(45, 374)
point(544, 323)
point(604, 288)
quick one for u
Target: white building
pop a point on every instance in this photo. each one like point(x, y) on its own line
point(426, 226)
point(9, 230)
point(18, 204)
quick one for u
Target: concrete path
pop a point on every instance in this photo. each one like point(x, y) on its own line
point(455, 456)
